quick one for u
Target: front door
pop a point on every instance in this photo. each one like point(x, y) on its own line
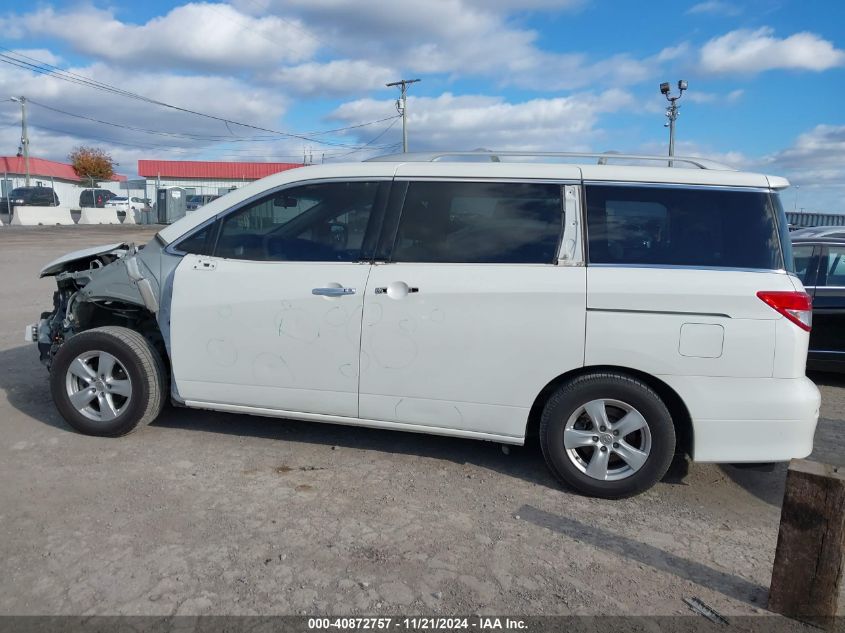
point(472, 316)
point(271, 317)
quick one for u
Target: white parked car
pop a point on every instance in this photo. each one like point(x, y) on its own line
point(124, 203)
point(621, 313)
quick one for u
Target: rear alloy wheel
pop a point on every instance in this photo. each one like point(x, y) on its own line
point(607, 435)
point(108, 381)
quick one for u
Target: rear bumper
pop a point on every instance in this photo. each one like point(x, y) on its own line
point(749, 419)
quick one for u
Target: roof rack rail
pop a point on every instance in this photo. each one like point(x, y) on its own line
point(603, 158)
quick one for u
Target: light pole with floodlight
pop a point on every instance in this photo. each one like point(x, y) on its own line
point(672, 111)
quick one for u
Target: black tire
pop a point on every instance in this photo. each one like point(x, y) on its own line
point(137, 360)
point(568, 466)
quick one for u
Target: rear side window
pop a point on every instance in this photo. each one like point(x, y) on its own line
point(479, 222)
point(683, 227)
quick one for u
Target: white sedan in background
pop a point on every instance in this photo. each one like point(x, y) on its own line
point(125, 204)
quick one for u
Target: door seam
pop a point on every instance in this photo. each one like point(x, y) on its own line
point(361, 340)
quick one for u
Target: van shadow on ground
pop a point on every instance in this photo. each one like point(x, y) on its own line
point(25, 382)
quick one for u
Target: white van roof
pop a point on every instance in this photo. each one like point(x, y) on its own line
point(489, 165)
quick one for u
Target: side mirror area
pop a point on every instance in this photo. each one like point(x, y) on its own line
point(285, 201)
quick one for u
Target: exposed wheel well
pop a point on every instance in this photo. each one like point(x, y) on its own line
point(677, 408)
point(92, 314)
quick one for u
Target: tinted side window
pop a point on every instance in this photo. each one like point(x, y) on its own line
point(805, 264)
point(319, 222)
point(474, 222)
point(200, 243)
point(834, 265)
point(683, 227)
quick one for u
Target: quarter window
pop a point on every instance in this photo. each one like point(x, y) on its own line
point(200, 243)
point(472, 222)
point(318, 222)
point(683, 227)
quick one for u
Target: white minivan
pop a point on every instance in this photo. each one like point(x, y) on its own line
point(622, 313)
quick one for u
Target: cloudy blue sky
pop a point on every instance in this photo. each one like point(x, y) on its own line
point(767, 79)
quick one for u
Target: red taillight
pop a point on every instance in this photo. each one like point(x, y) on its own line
point(795, 306)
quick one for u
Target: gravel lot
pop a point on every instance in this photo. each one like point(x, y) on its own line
point(205, 513)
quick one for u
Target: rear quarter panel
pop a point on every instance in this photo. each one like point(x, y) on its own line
point(668, 321)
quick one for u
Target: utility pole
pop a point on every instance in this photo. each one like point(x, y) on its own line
point(402, 106)
point(24, 135)
point(672, 112)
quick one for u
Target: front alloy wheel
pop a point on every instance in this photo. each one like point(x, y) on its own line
point(108, 381)
point(98, 386)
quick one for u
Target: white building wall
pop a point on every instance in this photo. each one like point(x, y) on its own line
point(195, 186)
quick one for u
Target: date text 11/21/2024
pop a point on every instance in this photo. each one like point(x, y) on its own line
point(480, 623)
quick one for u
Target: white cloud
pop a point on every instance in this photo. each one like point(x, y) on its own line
point(458, 38)
point(813, 161)
point(41, 54)
point(53, 134)
point(715, 7)
point(673, 52)
point(815, 158)
point(337, 77)
point(529, 5)
point(194, 36)
point(747, 51)
point(471, 121)
point(712, 97)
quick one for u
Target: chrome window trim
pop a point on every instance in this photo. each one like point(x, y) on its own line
point(676, 185)
point(171, 248)
point(531, 181)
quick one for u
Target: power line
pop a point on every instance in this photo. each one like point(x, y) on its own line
point(373, 140)
point(201, 137)
point(45, 68)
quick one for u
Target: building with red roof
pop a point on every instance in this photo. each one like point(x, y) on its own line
point(41, 168)
point(49, 173)
point(204, 177)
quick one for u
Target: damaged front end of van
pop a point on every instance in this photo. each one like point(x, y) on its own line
point(112, 284)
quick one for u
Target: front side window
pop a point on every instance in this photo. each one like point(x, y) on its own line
point(683, 227)
point(475, 222)
point(317, 222)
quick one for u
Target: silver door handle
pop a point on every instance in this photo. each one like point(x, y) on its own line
point(332, 292)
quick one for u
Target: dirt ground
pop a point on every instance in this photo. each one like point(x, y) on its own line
point(204, 513)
